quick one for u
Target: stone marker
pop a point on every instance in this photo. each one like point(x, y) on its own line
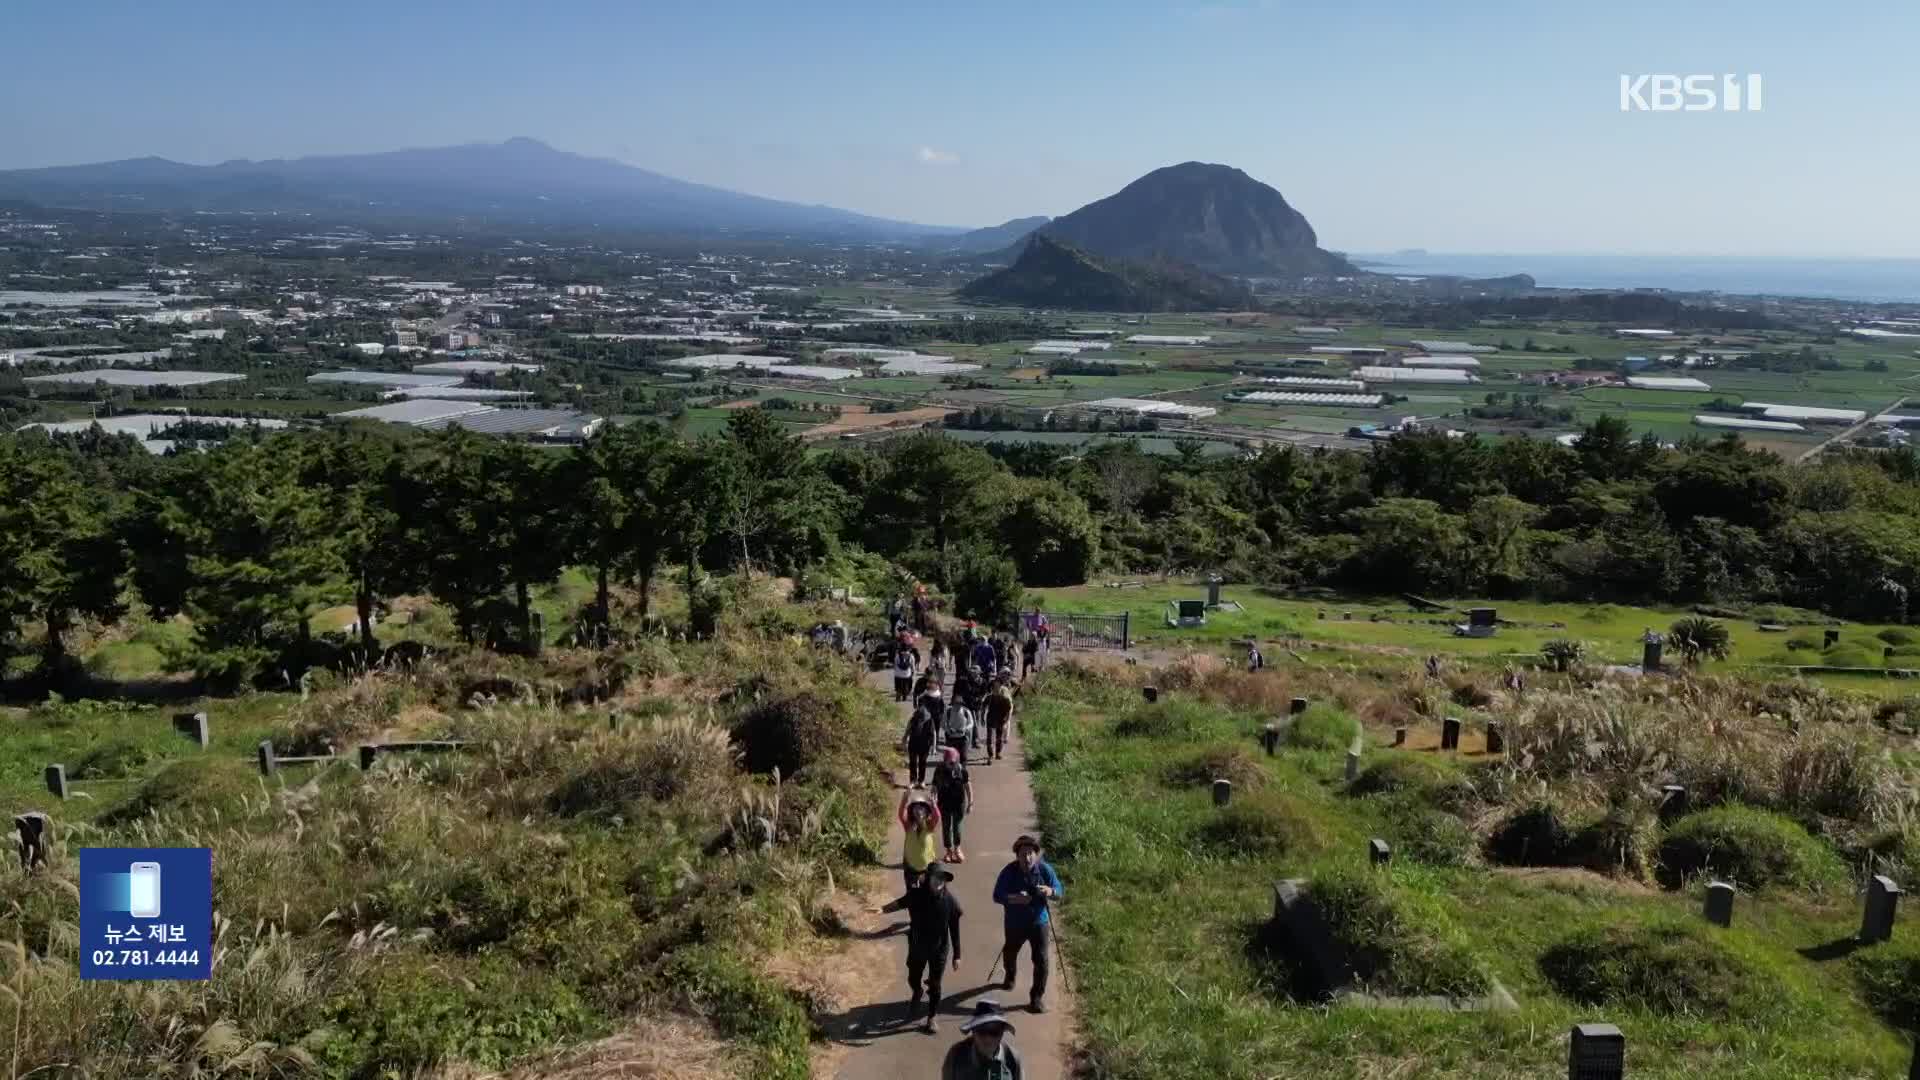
point(1832, 637)
point(1399, 736)
point(1298, 920)
point(367, 754)
point(1222, 792)
point(1719, 909)
point(1883, 900)
point(1496, 742)
point(194, 726)
point(36, 836)
point(1297, 706)
point(57, 780)
point(613, 721)
point(1379, 852)
point(1353, 766)
point(269, 764)
point(1450, 734)
point(1151, 693)
point(1596, 1052)
point(1270, 738)
point(536, 631)
point(1673, 801)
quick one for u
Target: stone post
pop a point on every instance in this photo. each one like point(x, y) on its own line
point(194, 726)
point(1270, 738)
point(36, 836)
point(269, 764)
point(1379, 852)
point(1719, 910)
point(1596, 1052)
point(1496, 741)
point(536, 632)
point(367, 753)
point(57, 780)
point(1450, 734)
point(1883, 902)
point(1151, 693)
point(1399, 736)
point(1673, 802)
point(613, 721)
point(1222, 792)
point(1297, 706)
point(1353, 766)
point(1832, 638)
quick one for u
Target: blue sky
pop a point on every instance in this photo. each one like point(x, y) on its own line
point(1464, 126)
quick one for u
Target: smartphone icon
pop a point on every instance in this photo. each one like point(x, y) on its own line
point(143, 892)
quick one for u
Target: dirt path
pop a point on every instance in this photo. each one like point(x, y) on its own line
point(873, 1039)
point(863, 418)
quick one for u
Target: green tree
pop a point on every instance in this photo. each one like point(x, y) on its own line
point(1052, 535)
point(622, 488)
point(1407, 545)
point(986, 585)
point(358, 472)
point(62, 561)
point(260, 556)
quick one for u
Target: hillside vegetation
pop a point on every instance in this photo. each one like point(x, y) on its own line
point(1051, 274)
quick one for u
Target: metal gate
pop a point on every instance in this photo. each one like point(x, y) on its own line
point(1071, 630)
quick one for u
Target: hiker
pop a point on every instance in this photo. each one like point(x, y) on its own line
point(1002, 653)
point(1254, 660)
point(953, 794)
point(983, 658)
point(1029, 656)
point(937, 662)
point(921, 820)
point(998, 711)
point(956, 731)
point(1433, 667)
point(902, 672)
point(923, 730)
point(985, 1053)
point(920, 611)
point(933, 930)
point(1027, 888)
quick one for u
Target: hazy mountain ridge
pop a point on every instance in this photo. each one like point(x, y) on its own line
point(1215, 217)
point(1007, 236)
point(1053, 274)
point(520, 179)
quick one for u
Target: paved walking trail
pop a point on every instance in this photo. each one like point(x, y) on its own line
point(880, 1041)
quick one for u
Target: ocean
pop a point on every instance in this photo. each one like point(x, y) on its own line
point(1878, 281)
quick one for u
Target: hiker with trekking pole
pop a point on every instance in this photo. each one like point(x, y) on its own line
point(1026, 889)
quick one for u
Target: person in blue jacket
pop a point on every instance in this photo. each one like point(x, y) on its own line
point(1027, 888)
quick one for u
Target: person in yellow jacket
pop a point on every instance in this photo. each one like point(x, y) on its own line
point(921, 820)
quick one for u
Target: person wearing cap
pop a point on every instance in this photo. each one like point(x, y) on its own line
point(933, 934)
point(953, 793)
point(986, 1053)
point(1027, 888)
point(921, 820)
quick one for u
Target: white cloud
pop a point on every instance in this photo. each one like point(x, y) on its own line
point(929, 156)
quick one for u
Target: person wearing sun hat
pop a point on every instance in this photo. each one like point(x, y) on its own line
point(986, 1053)
point(933, 937)
point(1027, 888)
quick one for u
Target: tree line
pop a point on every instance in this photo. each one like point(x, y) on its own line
point(253, 536)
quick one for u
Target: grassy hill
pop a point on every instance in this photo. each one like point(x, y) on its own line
point(1051, 274)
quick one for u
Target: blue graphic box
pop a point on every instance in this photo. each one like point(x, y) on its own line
point(146, 913)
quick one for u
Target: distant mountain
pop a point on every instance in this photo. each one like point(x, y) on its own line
point(1051, 274)
point(520, 180)
point(1212, 216)
point(994, 237)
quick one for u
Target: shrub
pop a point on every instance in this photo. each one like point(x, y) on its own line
point(1752, 848)
point(111, 760)
point(1697, 639)
point(1838, 775)
point(1222, 761)
point(1468, 694)
point(1437, 783)
point(412, 1013)
point(1895, 636)
point(1562, 653)
point(1850, 656)
point(1322, 727)
point(218, 784)
point(1534, 836)
point(1190, 671)
point(1397, 936)
point(663, 760)
point(792, 732)
point(1173, 718)
point(1669, 968)
point(741, 1003)
point(1889, 978)
point(1424, 834)
point(1266, 823)
point(1625, 841)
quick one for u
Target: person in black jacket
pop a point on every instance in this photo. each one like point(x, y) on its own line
point(923, 729)
point(935, 926)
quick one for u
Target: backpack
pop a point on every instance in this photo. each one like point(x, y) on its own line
point(920, 730)
point(903, 665)
point(950, 783)
point(959, 721)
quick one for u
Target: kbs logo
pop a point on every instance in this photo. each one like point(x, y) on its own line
point(1689, 93)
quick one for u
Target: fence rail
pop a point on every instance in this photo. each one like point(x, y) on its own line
point(1079, 630)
